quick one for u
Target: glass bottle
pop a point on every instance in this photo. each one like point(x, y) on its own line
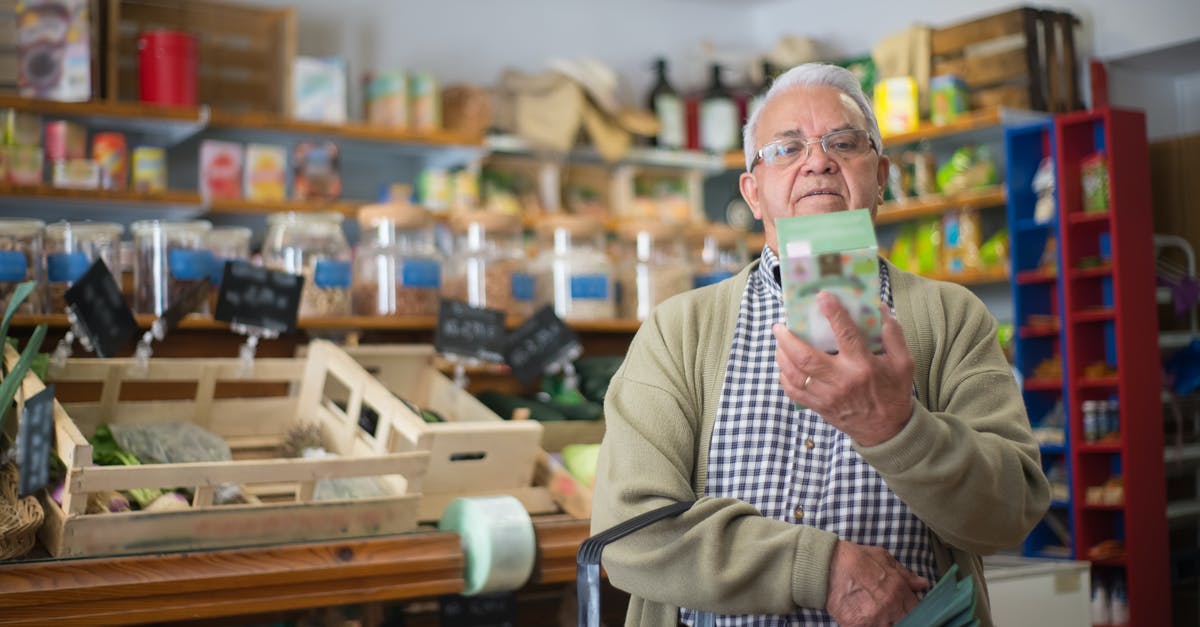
point(717, 252)
point(312, 245)
point(72, 248)
point(168, 258)
point(573, 271)
point(759, 93)
point(398, 270)
point(720, 131)
point(652, 267)
point(21, 260)
point(488, 266)
point(666, 104)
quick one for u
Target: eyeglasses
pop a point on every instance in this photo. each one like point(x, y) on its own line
point(842, 144)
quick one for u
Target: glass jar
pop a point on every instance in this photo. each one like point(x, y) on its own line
point(226, 243)
point(21, 260)
point(398, 270)
point(168, 258)
point(488, 268)
point(572, 271)
point(653, 266)
point(312, 245)
point(716, 252)
point(72, 248)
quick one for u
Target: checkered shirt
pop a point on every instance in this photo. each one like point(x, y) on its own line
point(786, 461)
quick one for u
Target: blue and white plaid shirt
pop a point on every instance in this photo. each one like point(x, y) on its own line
point(788, 462)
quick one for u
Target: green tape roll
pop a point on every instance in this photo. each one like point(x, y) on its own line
point(497, 539)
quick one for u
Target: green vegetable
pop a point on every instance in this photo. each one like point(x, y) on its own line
point(106, 452)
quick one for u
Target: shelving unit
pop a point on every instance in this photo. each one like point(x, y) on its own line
point(1107, 309)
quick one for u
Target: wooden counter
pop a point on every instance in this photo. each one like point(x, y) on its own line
point(205, 585)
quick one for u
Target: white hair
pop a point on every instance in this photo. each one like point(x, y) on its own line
point(813, 75)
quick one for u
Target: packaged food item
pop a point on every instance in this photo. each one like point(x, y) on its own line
point(24, 165)
point(72, 248)
point(266, 172)
point(425, 102)
point(220, 170)
point(65, 140)
point(435, 189)
point(317, 171)
point(76, 174)
point(168, 258)
point(312, 245)
point(652, 266)
point(149, 169)
point(109, 153)
point(947, 98)
point(717, 252)
point(573, 271)
point(21, 260)
point(961, 241)
point(53, 49)
point(397, 270)
point(1093, 174)
point(319, 89)
point(387, 99)
point(488, 267)
point(21, 128)
point(896, 105)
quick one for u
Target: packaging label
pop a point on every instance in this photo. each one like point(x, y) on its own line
point(13, 265)
point(332, 273)
point(66, 267)
point(421, 273)
point(669, 109)
point(187, 264)
point(589, 286)
point(719, 131)
point(522, 286)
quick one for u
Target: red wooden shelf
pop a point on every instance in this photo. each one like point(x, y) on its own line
point(1079, 217)
point(1043, 384)
point(1091, 273)
point(1100, 447)
point(1041, 275)
point(1026, 333)
point(1104, 507)
point(1099, 382)
point(1095, 315)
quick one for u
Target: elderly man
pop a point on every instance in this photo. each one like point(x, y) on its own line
point(830, 488)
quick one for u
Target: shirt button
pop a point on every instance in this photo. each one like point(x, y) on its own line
point(809, 444)
point(798, 513)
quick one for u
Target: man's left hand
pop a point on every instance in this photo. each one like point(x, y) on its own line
point(864, 395)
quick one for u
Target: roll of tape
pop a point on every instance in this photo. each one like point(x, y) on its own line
point(497, 538)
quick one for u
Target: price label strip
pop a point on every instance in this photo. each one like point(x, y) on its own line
point(543, 343)
point(33, 441)
point(258, 303)
point(99, 316)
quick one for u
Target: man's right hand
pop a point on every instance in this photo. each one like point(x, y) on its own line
point(869, 588)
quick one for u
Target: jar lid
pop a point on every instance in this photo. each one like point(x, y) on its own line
point(84, 229)
point(573, 224)
point(230, 233)
point(491, 221)
point(402, 215)
point(21, 226)
point(304, 217)
point(724, 234)
point(147, 226)
point(657, 230)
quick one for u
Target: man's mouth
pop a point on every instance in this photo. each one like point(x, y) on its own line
point(820, 192)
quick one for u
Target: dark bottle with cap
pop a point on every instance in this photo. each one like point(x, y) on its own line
point(666, 104)
point(759, 93)
point(719, 128)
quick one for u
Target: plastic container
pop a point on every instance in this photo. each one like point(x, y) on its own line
point(398, 270)
point(72, 248)
point(716, 252)
point(488, 267)
point(168, 258)
point(225, 243)
point(167, 68)
point(573, 271)
point(652, 267)
point(21, 260)
point(312, 245)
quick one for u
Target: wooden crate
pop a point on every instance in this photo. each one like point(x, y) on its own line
point(1023, 58)
point(245, 52)
point(474, 452)
point(251, 412)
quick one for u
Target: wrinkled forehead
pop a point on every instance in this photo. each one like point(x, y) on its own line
point(808, 112)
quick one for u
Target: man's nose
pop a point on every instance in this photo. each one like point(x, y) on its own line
point(816, 160)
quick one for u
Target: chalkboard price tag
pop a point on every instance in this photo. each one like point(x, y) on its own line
point(189, 301)
point(469, 331)
point(33, 441)
point(101, 310)
point(541, 340)
point(483, 610)
point(258, 297)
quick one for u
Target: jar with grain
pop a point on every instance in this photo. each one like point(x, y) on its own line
point(572, 271)
point(312, 245)
point(717, 252)
point(652, 266)
point(21, 260)
point(488, 268)
point(398, 270)
point(72, 248)
point(169, 257)
point(226, 243)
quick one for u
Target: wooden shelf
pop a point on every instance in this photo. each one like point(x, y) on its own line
point(976, 277)
point(1104, 507)
point(1026, 333)
point(1099, 382)
point(1079, 217)
point(966, 122)
point(169, 197)
point(102, 109)
point(1033, 277)
point(937, 205)
point(1100, 447)
point(1095, 315)
point(1043, 384)
point(1092, 273)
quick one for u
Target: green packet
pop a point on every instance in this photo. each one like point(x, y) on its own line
point(832, 252)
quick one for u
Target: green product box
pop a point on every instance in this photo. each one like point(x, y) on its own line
point(837, 253)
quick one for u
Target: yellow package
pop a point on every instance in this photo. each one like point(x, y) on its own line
point(896, 105)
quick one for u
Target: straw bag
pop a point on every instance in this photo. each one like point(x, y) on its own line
point(20, 519)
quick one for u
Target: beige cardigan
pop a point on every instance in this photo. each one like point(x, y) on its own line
point(966, 463)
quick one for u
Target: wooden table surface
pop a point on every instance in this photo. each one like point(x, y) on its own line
point(188, 586)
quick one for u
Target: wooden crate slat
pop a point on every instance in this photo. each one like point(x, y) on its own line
point(986, 69)
point(1009, 96)
point(947, 41)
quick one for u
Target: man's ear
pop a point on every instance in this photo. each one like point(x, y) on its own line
point(748, 185)
point(882, 175)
